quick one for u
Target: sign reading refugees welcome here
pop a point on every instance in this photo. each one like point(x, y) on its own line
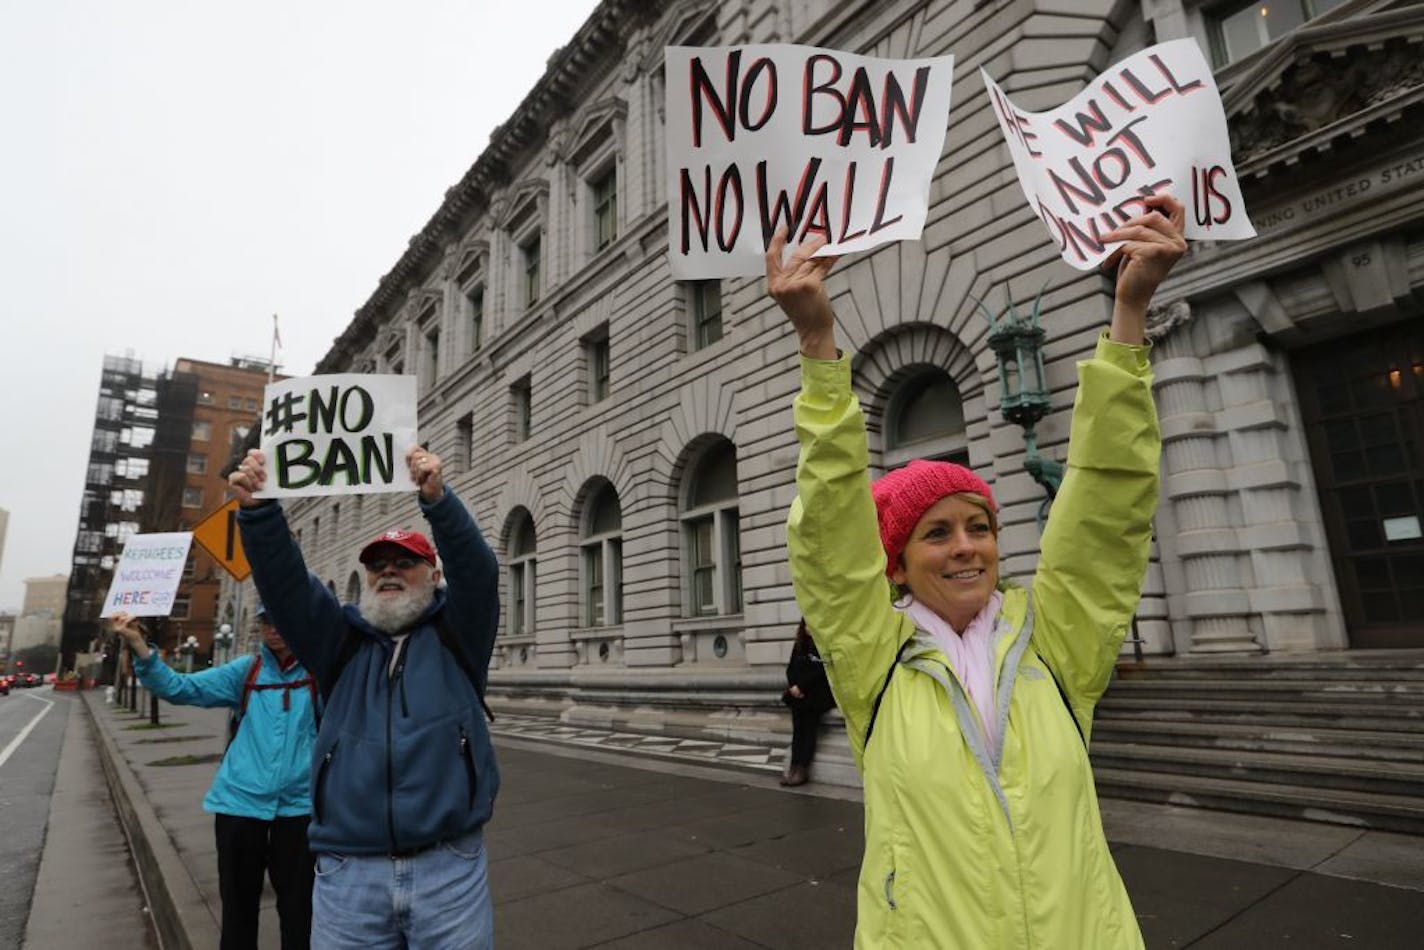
point(829, 143)
point(147, 575)
point(340, 434)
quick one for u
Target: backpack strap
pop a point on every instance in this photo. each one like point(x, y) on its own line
point(249, 683)
point(875, 707)
point(453, 647)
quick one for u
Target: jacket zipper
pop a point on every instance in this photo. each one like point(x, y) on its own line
point(321, 780)
point(390, 772)
point(468, 755)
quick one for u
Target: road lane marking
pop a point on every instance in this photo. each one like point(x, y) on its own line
point(15, 742)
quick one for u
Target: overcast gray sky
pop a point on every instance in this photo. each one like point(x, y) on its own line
point(173, 173)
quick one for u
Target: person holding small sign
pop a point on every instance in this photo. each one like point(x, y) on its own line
point(969, 702)
point(261, 795)
point(403, 772)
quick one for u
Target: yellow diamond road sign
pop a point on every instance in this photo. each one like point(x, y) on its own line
point(217, 533)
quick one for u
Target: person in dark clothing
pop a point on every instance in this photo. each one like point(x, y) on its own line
point(808, 694)
point(403, 773)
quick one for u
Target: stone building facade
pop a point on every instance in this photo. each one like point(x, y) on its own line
point(625, 439)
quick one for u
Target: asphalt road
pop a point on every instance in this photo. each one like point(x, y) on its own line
point(32, 726)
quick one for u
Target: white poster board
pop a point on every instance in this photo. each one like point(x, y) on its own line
point(148, 574)
point(341, 434)
point(1152, 123)
point(816, 140)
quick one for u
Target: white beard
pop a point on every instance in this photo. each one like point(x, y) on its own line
point(394, 613)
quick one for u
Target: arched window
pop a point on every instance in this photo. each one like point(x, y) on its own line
point(353, 587)
point(711, 545)
point(521, 574)
point(602, 557)
point(925, 419)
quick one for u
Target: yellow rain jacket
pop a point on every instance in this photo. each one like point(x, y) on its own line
point(968, 846)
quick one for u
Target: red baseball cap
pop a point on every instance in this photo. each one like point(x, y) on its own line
point(412, 541)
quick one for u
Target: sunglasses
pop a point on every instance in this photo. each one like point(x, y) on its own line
point(404, 563)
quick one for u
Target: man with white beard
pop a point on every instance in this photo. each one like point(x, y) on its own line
point(403, 773)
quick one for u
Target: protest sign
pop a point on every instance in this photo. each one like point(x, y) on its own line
point(147, 575)
point(1151, 124)
point(816, 140)
point(343, 434)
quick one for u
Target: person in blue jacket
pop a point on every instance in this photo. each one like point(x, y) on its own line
point(260, 797)
point(403, 773)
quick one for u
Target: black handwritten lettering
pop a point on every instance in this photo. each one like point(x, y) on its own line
point(724, 107)
point(774, 209)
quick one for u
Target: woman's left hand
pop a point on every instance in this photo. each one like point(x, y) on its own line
point(1152, 244)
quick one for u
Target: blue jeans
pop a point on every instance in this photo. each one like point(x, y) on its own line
point(438, 899)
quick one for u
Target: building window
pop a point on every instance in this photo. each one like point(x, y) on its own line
point(205, 397)
point(432, 356)
point(202, 431)
point(197, 464)
point(464, 441)
point(180, 609)
point(522, 545)
point(353, 586)
point(234, 402)
point(249, 404)
point(1239, 29)
point(602, 557)
point(598, 356)
point(521, 399)
point(604, 189)
point(705, 298)
point(316, 536)
point(476, 299)
point(394, 364)
point(711, 536)
point(924, 418)
point(336, 524)
point(529, 256)
point(190, 567)
point(192, 498)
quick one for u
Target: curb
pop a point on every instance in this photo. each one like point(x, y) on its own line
point(180, 916)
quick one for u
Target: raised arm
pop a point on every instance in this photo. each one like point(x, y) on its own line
point(219, 686)
point(471, 573)
point(833, 537)
point(300, 605)
point(1096, 544)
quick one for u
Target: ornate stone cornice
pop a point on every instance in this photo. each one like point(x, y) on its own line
point(1324, 84)
point(592, 53)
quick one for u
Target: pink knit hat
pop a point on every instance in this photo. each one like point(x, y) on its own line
point(904, 495)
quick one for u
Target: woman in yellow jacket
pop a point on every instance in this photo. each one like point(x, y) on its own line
point(969, 705)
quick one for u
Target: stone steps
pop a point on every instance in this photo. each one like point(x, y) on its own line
point(1258, 737)
point(1329, 737)
point(1374, 810)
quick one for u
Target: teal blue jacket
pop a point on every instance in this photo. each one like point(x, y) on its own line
point(266, 772)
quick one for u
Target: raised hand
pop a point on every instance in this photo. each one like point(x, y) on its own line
point(249, 477)
point(1153, 243)
point(798, 284)
point(128, 627)
point(425, 471)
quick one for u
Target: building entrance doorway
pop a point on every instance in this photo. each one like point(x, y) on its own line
point(1362, 400)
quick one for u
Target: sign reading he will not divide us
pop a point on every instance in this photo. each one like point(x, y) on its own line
point(829, 143)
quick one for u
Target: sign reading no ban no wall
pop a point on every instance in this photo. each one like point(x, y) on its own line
point(814, 140)
point(342, 434)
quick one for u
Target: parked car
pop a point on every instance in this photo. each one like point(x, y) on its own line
point(27, 680)
point(4, 686)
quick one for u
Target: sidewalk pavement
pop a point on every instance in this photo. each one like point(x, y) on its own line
point(591, 847)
